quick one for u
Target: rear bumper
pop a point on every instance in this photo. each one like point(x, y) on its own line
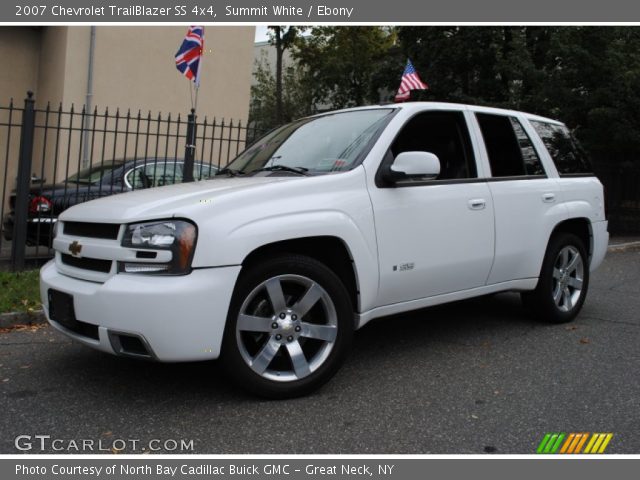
point(178, 318)
point(39, 230)
point(600, 243)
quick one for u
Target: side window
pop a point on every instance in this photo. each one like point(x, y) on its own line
point(203, 171)
point(444, 134)
point(154, 175)
point(532, 163)
point(510, 151)
point(565, 151)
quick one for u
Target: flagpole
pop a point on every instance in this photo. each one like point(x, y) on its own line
point(200, 61)
point(186, 56)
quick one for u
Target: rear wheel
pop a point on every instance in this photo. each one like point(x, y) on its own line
point(563, 283)
point(289, 327)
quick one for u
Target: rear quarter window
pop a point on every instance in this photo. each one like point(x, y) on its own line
point(564, 149)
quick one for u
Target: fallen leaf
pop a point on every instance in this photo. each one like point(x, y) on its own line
point(585, 340)
point(31, 327)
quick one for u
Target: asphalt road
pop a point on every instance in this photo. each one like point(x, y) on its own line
point(472, 377)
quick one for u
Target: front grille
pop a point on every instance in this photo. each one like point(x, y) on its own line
point(92, 230)
point(94, 264)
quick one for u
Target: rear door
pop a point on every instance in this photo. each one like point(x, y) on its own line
point(526, 200)
point(434, 236)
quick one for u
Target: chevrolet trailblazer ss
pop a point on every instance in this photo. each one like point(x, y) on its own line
point(323, 225)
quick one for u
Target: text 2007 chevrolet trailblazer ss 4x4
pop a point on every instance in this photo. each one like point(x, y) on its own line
point(323, 225)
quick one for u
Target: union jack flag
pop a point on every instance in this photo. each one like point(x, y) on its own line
point(190, 53)
point(410, 81)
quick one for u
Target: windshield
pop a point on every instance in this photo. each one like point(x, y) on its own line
point(324, 144)
point(94, 173)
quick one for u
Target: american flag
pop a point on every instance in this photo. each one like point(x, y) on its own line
point(190, 53)
point(410, 81)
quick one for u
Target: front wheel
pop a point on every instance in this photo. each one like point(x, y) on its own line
point(289, 327)
point(564, 280)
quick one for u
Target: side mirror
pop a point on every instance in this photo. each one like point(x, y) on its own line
point(414, 164)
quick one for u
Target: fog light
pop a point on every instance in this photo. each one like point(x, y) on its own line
point(128, 267)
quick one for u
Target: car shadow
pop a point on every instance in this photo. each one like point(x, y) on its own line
point(478, 323)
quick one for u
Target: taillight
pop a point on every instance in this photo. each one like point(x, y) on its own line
point(40, 204)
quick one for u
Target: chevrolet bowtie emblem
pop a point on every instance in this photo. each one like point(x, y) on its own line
point(75, 248)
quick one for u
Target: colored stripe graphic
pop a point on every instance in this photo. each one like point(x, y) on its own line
point(550, 443)
point(572, 443)
point(582, 441)
point(568, 442)
point(598, 443)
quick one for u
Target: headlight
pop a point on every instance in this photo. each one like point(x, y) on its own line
point(177, 236)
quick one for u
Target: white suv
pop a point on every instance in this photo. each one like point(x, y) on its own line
point(323, 225)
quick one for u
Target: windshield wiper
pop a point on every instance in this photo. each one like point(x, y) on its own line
point(230, 172)
point(282, 168)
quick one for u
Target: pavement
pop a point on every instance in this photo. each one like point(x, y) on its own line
point(478, 376)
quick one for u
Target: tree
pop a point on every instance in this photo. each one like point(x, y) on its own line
point(282, 38)
point(343, 64)
point(585, 76)
point(266, 112)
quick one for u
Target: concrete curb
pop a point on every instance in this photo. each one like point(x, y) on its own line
point(12, 319)
point(624, 247)
point(9, 320)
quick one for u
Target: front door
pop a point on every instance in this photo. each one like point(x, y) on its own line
point(434, 236)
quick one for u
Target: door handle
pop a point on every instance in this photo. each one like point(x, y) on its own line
point(549, 197)
point(477, 203)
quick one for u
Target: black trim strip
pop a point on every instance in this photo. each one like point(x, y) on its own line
point(454, 181)
point(569, 175)
point(516, 177)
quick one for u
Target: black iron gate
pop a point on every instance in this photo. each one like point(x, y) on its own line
point(53, 158)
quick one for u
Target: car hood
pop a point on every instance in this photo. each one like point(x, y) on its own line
point(162, 202)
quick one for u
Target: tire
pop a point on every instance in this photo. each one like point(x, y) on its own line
point(289, 327)
point(564, 281)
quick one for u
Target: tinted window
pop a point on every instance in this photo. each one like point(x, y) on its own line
point(94, 173)
point(154, 175)
point(204, 172)
point(563, 148)
point(443, 133)
point(532, 163)
point(510, 151)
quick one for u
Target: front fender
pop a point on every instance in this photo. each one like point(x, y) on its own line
point(243, 239)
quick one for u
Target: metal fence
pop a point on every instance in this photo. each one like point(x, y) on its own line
point(621, 180)
point(53, 158)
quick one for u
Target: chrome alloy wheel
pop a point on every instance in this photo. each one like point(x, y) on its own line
point(286, 328)
point(568, 276)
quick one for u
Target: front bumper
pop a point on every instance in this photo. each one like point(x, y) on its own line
point(180, 318)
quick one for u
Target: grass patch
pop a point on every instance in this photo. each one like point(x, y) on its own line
point(19, 292)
